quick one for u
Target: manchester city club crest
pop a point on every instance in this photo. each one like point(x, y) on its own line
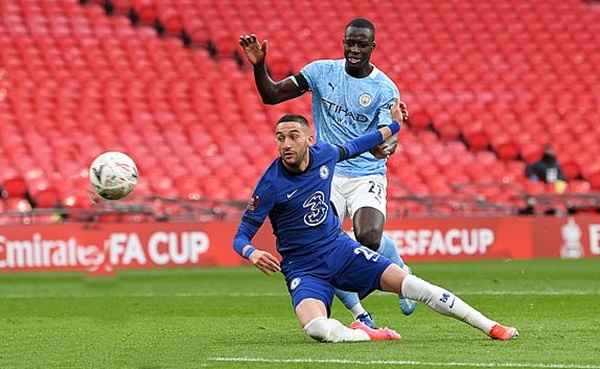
point(324, 172)
point(365, 100)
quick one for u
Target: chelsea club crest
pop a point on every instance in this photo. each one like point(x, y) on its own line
point(324, 172)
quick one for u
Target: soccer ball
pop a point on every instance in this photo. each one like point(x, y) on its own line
point(113, 175)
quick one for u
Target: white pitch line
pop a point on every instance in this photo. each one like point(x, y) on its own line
point(403, 362)
point(523, 293)
point(285, 294)
point(144, 295)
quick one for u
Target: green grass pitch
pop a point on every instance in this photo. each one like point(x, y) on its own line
point(240, 318)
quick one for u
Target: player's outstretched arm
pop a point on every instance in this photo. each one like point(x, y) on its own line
point(270, 91)
point(369, 141)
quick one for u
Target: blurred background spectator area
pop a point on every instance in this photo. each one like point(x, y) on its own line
point(488, 84)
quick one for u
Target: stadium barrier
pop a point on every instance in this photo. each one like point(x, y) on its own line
point(101, 248)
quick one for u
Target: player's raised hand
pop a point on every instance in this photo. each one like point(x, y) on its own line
point(399, 111)
point(254, 50)
point(265, 261)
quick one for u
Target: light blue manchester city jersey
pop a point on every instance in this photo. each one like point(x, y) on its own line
point(345, 108)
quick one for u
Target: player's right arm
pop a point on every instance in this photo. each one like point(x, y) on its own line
point(259, 206)
point(263, 260)
point(270, 91)
point(368, 141)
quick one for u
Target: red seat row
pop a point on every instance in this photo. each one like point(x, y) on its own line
point(88, 83)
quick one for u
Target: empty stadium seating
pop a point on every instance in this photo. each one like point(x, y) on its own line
point(488, 84)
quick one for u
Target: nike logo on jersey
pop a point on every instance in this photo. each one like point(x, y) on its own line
point(331, 85)
point(292, 193)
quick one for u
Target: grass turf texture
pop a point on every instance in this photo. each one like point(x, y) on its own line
point(240, 318)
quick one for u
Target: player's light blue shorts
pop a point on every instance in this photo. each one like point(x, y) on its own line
point(349, 266)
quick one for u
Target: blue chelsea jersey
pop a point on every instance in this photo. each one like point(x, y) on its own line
point(345, 107)
point(298, 205)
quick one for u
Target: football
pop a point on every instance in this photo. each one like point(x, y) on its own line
point(113, 175)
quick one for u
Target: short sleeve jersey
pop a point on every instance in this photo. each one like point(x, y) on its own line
point(298, 204)
point(345, 107)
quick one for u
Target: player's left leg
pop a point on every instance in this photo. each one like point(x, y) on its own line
point(396, 280)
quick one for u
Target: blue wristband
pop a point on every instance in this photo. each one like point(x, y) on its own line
point(248, 251)
point(395, 127)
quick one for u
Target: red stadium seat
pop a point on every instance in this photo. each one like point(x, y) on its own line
point(477, 140)
point(420, 120)
point(506, 151)
point(535, 188)
point(448, 132)
point(146, 10)
point(570, 169)
point(594, 180)
point(15, 188)
point(172, 23)
point(47, 198)
point(122, 6)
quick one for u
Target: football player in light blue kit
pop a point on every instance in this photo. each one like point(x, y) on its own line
point(317, 256)
point(350, 97)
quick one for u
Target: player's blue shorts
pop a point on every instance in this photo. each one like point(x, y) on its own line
point(349, 266)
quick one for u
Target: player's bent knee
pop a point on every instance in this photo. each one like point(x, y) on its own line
point(325, 330)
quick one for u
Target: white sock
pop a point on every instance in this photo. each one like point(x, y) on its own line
point(330, 330)
point(445, 302)
point(357, 309)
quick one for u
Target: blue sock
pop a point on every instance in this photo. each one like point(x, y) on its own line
point(388, 249)
point(349, 299)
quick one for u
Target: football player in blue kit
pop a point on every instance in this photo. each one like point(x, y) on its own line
point(317, 256)
point(350, 97)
